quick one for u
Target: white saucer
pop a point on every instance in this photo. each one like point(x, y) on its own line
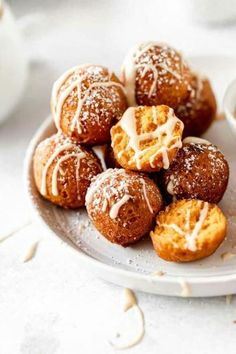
point(134, 266)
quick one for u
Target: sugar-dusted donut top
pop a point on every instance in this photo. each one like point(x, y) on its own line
point(83, 87)
point(63, 149)
point(115, 185)
point(143, 58)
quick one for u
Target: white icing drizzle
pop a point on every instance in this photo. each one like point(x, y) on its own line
point(59, 98)
point(95, 185)
point(185, 288)
point(78, 156)
point(31, 251)
point(15, 231)
point(130, 303)
point(139, 334)
point(190, 236)
point(175, 227)
point(128, 299)
point(146, 197)
point(99, 151)
point(129, 70)
point(128, 124)
point(195, 140)
point(104, 205)
point(60, 149)
point(154, 114)
point(170, 186)
point(114, 211)
point(115, 208)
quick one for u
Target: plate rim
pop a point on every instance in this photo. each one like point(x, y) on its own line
point(170, 285)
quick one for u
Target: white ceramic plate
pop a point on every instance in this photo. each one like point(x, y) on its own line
point(134, 266)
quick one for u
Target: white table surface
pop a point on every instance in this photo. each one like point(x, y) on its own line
point(50, 305)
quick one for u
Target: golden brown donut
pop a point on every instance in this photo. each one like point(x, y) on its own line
point(199, 110)
point(154, 73)
point(200, 171)
point(122, 205)
point(63, 171)
point(188, 230)
point(86, 101)
point(147, 138)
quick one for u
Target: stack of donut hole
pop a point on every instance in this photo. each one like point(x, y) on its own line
point(156, 182)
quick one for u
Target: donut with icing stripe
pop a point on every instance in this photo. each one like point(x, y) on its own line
point(63, 171)
point(155, 73)
point(122, 205)
point(86, 101)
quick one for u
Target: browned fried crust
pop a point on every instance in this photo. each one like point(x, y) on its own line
point(71, 191)
point(199, 171)
point(134, 219)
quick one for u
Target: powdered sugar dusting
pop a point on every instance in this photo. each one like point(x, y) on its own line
point(113, 188)
point(94, 92)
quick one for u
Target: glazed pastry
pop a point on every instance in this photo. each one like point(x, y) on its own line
point(147, 138)
point(199, 110)
point(122, 205)
point(188, 230)
point(199, 171)
point(86, 101)
point(154, 73)
point(63, 171)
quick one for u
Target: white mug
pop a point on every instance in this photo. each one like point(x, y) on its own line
point(13, 66)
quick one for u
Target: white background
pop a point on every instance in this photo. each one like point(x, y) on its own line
point(50, 305)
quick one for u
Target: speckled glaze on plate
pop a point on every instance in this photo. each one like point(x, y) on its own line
point(137, 267)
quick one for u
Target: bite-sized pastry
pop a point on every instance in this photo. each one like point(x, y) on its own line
point(188, 230)
point(199, 110)
point(122, 205)
point(63, 171)
point(154, 73)
point(147, 138)
point(200, 171)
point(86, 101)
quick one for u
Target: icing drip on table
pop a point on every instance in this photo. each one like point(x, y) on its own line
point(31, 251)
point(129, 304)
point(129, 299)
point(64, 148)
point(59, 98)
point(190, 235)
point(130, 66)
point(128, 124)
